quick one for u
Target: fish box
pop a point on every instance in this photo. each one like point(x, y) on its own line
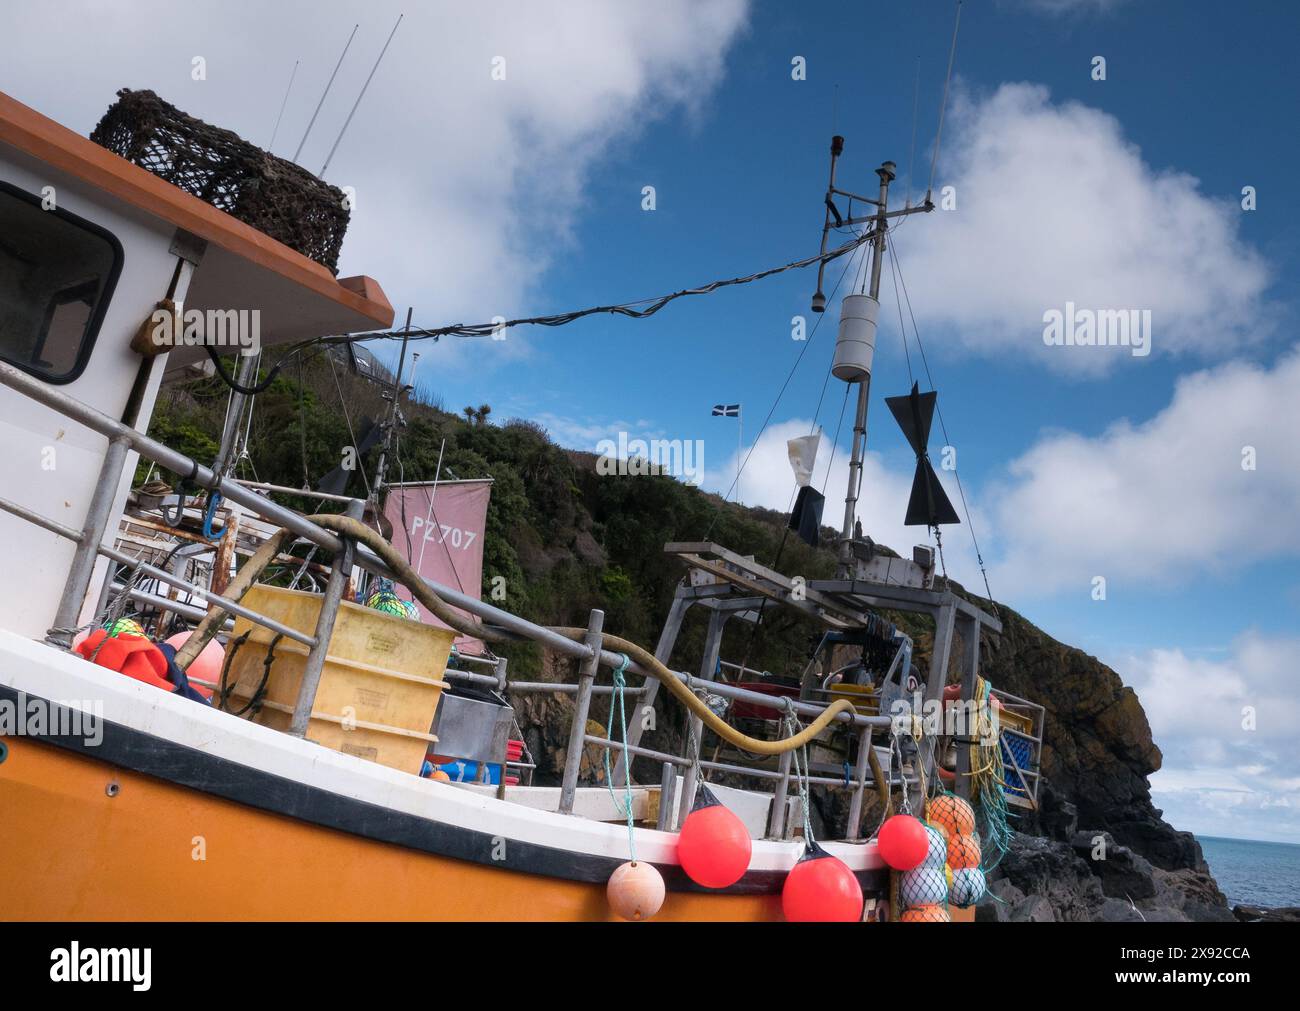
point(379, 689)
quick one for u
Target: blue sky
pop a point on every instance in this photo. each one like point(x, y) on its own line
point(478, 197)
point(738, 187)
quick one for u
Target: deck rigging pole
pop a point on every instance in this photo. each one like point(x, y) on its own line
point(886, 173)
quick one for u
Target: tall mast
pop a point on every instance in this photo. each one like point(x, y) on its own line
point(381, 468)
point(887, 174)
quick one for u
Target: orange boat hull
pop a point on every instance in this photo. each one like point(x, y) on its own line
point(98, 842)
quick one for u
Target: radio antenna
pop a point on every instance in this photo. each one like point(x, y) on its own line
point(328, 85)
point(952, 54)
point(283, 104)
point(355, 104)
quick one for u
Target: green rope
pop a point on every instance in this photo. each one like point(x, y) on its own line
point(992, 798)
point(625, 809)
point(792, 727)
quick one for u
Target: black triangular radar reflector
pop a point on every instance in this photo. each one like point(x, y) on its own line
point(914, 411)
point(928, 504)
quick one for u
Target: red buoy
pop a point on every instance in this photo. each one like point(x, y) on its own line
point(902, 842)
point(821, 889)
point(713, 845)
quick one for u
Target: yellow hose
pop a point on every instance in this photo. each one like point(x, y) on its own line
point(355, 529)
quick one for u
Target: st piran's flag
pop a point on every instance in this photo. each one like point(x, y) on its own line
point(806, 517)
point(726, 410)
point(928, 505)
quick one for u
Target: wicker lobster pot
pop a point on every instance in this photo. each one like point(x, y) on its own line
point(273, 195)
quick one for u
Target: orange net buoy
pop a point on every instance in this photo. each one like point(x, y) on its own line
point(963, 852)
point(925, 914)
point(952, 814)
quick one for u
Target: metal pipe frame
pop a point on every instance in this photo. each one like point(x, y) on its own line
point(162, 575)
point(677, 760)
point(329, 609)
point(578, 728)
point(123, 437)
point(82, 569)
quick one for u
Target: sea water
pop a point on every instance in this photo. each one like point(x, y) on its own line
point(1254, 873)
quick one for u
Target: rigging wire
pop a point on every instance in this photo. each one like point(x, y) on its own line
point(347, 417)
point(943, 106)
point(944, 428)
point(276, 131)
point(898, 301)
point(781, 393)
point(630, 309)
point(838, 427)
point(911, 158)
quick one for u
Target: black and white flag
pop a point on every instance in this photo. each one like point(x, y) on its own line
point(726, 410)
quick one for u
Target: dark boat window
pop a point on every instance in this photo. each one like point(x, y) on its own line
point(57, 273)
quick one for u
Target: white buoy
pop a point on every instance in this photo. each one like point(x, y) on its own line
point(856, 344)
point(635, 890)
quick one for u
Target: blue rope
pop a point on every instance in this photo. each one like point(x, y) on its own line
point(625, 809)
point(209, 514)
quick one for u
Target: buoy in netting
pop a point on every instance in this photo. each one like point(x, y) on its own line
point(936, 854)
point(124, 626)
point(924, 886)
point(968, 886)
point(821, 888)
point(903, 842)
point(635, 890)
point(963, 852)
point(713, 845)
point(925, 914)
point(952, 814)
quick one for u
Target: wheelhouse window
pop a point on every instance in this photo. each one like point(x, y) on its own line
point(57, 273)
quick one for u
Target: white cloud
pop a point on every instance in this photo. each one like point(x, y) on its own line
point(586, 433)
point(467, 187)
point(1055, 204)
point(1162, 500)
point(1220, 778)
point(1073, 6)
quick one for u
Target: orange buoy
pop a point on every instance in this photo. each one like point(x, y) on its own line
point(963, 852)
point(902, 842)
point(713, 845)
point(925, 914)
point(206, 666)
point(821, 889)
point(635, 890)
point(440, 776)
point(952, 814)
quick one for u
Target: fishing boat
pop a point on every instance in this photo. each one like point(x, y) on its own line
point(305, 772)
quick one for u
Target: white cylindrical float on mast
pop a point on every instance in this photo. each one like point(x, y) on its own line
point(856, 343)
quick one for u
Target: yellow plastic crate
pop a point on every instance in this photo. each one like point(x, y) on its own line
point(380, 686)
point(1016, 720)
point(865, 698)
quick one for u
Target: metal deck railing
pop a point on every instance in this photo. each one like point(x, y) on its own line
point(590, 653)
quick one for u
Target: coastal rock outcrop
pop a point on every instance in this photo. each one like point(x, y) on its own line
point(1092, 877)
